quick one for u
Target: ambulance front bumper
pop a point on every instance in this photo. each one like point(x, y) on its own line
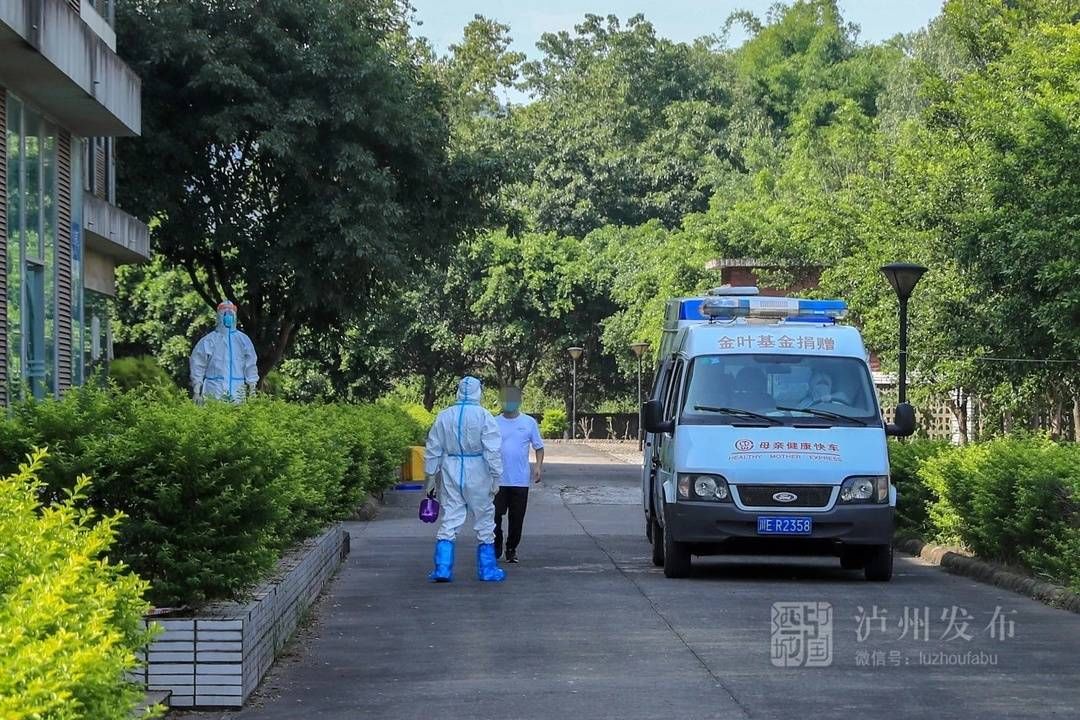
point(710, 523)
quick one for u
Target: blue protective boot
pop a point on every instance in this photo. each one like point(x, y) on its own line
point(444, 562)
point(487, 567)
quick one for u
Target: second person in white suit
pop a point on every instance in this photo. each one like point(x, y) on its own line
point(463, 460)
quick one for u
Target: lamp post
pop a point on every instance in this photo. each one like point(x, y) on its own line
point(903, 277)
point(575, 355)
point(639, 349)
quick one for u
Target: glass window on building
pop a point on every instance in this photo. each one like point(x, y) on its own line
point(77, 368)
point(32, 237)
point(34, 319)
point(14, 247)
point(97, 334)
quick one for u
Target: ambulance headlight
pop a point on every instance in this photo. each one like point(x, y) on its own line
point(865, 489)
point(704, 487)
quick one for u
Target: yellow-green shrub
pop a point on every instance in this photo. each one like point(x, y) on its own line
point(423, 417)
point(553, 424)
point(70, 620)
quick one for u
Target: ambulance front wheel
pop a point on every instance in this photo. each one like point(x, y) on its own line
point(656, 534)
point(879, 564)
point(676, 557)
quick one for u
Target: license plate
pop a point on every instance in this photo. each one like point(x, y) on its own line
point(784, 525)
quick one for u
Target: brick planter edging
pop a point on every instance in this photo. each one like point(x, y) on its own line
point(218, 657)
point(953, 560)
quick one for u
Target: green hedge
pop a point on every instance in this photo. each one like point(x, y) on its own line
point(70, 618)
point(131, 373)
point(213, 494)
point(1015, 500)
point(553, 425)
point(905, 461)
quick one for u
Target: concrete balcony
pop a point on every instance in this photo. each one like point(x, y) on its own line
point(54, 59)
point(99, 15)
point(111, 231)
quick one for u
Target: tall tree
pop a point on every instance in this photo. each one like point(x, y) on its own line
point(159, 314)
point(305, 148)
point(626, 126)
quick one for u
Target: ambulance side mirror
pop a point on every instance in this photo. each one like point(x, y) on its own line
point(904, 421)
point(653, 412)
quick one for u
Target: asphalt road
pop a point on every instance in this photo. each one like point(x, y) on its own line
point(585, 627)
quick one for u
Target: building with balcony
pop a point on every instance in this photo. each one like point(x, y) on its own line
point(64, 96)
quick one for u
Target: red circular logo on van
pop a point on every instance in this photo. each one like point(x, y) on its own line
point(744, 445)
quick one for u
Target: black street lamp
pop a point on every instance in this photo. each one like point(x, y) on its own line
point(639, 349)
point(575, 355)
point(903, 277)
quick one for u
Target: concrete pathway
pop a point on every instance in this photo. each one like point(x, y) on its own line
point(585, 627)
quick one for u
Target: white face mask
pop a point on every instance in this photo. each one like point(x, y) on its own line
point(820, 389)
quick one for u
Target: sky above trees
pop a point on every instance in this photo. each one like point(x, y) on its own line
point(440, 21)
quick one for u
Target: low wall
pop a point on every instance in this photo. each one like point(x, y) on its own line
point(218, 657)
point(602, 426)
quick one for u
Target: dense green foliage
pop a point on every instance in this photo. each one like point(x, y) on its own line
point(638, 160)
point(132, 373)
point(1016, 500)
point(70, 617)
point(305, 149)
point(913, 495)
point(212, 494)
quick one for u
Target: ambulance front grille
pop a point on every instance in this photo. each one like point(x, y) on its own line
point(806, 496)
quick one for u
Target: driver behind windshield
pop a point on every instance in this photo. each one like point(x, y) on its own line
point(819, 390)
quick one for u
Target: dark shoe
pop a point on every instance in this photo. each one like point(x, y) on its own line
point(511, 556)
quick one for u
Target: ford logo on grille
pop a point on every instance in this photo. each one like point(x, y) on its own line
point(785, 497)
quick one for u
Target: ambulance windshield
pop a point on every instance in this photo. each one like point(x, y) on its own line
point(780, 390)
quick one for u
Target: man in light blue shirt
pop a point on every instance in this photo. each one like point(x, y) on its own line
point(519, 433)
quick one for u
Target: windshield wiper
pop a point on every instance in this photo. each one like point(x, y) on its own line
point(822, 413)
point(738, 411)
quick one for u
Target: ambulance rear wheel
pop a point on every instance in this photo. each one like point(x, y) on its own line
point(676, 558)
point(879, 564)
point(656, 534)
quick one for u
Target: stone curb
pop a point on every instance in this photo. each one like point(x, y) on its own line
point(957, 562)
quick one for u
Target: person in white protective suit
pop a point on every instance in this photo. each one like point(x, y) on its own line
point(224, 363)
point(463, 462)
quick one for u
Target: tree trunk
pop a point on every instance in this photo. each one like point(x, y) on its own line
point(980, 419)
point(1076, 418)
point(958, 406)
point(1057, 416)
point(429, 392)
point(272, 353)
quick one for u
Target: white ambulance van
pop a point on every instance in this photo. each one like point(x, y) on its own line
point(765, 435)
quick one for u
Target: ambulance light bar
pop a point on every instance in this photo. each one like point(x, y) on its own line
point(729, 290)
point(794, 309)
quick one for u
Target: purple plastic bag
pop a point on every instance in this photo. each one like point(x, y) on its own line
point(429, 510)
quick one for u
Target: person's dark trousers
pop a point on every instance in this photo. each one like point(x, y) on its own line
point(514, 500)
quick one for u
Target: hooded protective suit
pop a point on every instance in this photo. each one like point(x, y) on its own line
point(223, 363)
point(463, 458)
